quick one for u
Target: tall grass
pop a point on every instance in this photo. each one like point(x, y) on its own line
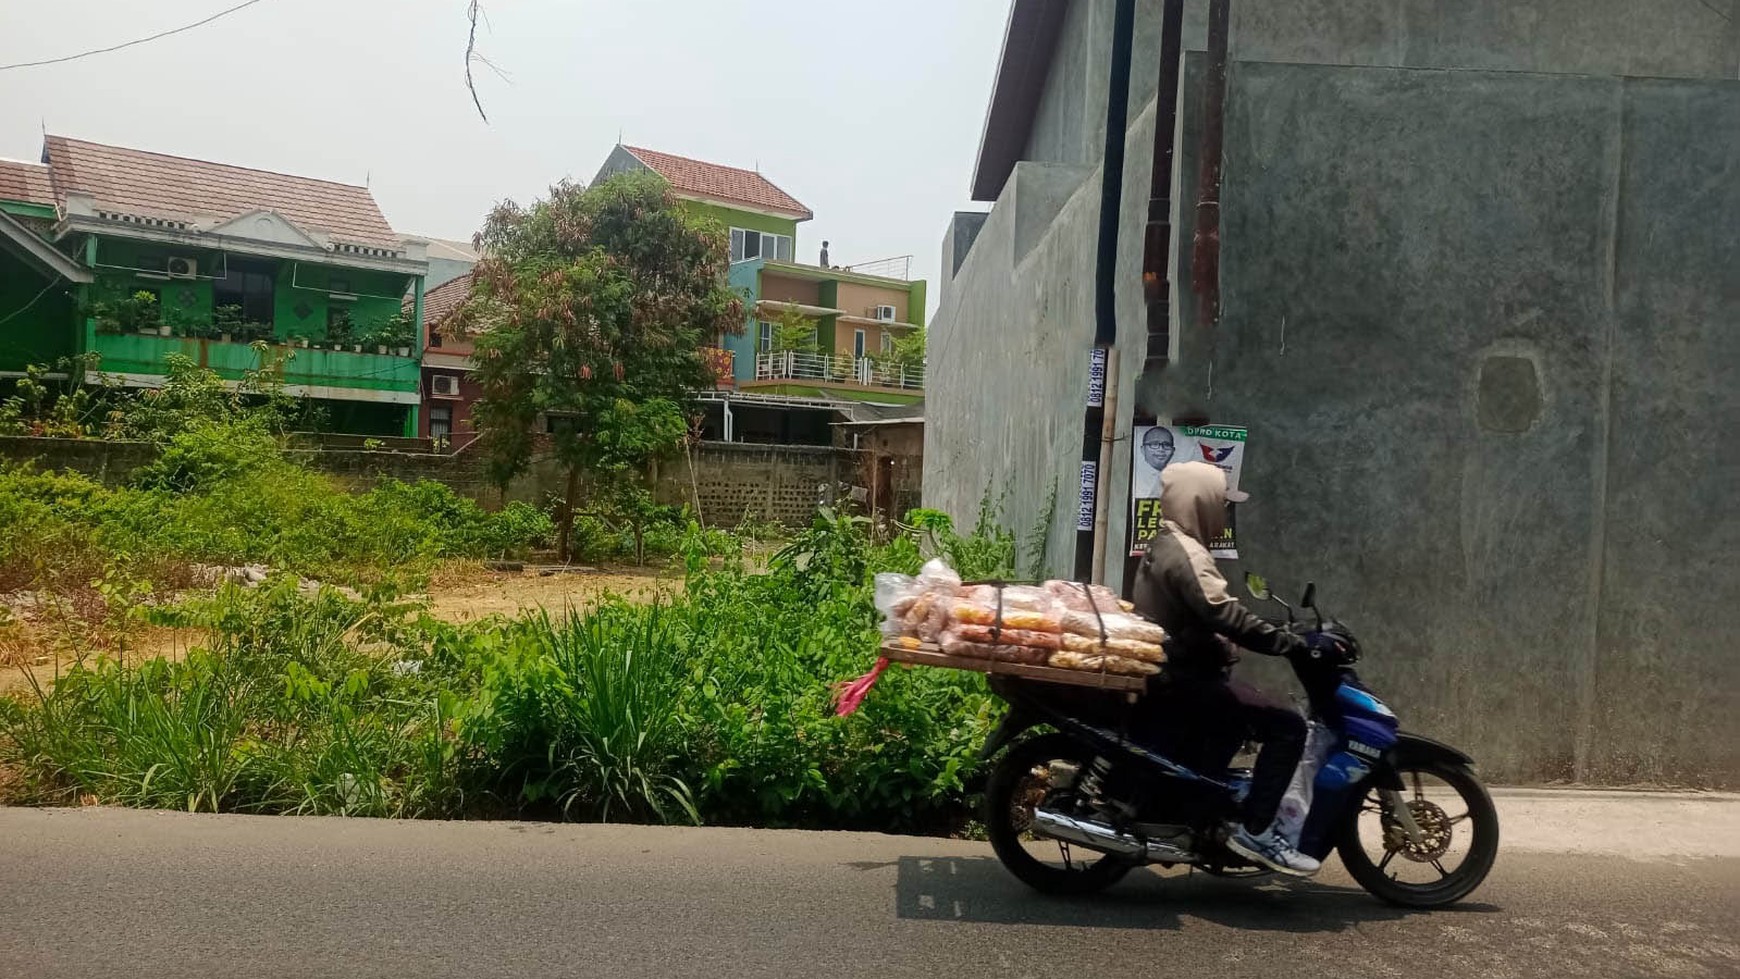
point(715, 706)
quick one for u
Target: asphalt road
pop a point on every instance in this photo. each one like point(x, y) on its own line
point(101, 892)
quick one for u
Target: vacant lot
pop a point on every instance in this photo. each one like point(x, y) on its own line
point(43, 642)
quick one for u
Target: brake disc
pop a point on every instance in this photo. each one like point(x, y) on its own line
point(1435, 832)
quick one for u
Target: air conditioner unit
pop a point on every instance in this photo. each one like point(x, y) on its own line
point(182, 268)
point(883, 314)
point(446, 385)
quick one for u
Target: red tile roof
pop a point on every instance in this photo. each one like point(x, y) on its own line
point(26, 182)
point(443, 300)
point(729, 185)
point(153, 184)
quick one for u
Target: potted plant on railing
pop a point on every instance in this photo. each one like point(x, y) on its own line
point(227, 320)
point(138, 313)
point(401, 334)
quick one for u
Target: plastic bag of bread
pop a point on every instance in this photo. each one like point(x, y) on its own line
point(1025, 597)
point(1115, 625)
point(953, 644)
point(1071, 595)
point(1094, 663)
point(936, 576)
point(1131, 648)
point(967, 612)
point(895, 596)
point(1012, 637)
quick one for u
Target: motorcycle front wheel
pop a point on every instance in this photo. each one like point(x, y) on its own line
point(1458, 840)
point(1020, 782)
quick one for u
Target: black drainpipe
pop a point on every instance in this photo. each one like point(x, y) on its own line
point(1105, 282)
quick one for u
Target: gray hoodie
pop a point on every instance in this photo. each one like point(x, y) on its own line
point(1179, 586)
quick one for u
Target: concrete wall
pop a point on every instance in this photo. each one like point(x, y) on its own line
point(1482, 314)
point(779, 483)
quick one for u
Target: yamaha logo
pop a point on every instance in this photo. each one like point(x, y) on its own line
point(1360, 748)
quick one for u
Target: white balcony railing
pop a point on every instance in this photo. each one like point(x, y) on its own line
point(789, 365)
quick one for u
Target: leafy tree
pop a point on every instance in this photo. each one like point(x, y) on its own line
point(590, 313)
point(796, 332)
point(908, 350)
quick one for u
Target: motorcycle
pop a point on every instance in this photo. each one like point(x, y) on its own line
point(1396, 807)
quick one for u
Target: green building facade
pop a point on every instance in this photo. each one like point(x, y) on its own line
point(112, 260)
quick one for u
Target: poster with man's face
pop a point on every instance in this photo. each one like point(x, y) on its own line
point(1158, 446)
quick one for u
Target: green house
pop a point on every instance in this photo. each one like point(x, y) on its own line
point(131, 257)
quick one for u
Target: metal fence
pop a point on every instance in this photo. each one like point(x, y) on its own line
point(790, 365)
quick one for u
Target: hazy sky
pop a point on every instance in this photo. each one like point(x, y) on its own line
point(869, 113)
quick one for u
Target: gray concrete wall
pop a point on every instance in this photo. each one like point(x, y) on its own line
point(1482, 316)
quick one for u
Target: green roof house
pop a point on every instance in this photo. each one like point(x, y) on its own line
point(224, 256)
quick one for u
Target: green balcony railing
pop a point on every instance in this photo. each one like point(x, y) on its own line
point(140, 353)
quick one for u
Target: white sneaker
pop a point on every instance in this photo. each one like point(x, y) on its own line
point(1272, 850)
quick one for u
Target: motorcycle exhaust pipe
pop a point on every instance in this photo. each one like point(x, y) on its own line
point(1099, 836)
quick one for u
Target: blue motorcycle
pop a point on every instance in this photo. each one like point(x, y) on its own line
point(1072, 810)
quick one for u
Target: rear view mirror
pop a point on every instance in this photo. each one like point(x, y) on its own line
point(1257, 586)
point(1309, 599)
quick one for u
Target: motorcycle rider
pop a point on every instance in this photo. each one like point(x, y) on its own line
point(1179, 587)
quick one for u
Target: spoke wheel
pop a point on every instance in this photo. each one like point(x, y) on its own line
point(1021, 782)
point(1455, 849)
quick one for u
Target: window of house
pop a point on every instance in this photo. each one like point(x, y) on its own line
point(887, 342)
point(765, 338)
point(857, 343)
point(338, 322)
point(440, 421)
point(747, 244)
point(247, 284)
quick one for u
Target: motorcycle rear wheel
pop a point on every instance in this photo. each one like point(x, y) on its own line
point(1451, 885)
point(1011, 793)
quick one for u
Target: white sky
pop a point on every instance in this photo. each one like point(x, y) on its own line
point(869, 113)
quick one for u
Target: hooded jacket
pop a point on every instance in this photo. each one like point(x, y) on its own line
point(1179, 586)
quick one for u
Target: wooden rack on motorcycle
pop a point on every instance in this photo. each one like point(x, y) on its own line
point(997, 656)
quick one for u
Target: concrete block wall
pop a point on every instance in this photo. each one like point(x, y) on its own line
point(778, 483)
point(1481, 289)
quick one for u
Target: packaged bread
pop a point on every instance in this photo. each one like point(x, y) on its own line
point(895, 595)
point(973, 613)
point(1028, 597)
point(1131, 648)
point(1012, 637)
point(936, 576)
point(1094, 663)
point(1113, 625)
point(954, 645)
point(1074, 595)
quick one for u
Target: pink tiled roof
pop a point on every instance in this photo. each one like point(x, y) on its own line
point(153, 184)
point(726, 184)
point(26, 182)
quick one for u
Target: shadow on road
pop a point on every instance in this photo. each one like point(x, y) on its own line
point(979, 890)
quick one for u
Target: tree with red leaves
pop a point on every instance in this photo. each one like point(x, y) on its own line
point(591, 310)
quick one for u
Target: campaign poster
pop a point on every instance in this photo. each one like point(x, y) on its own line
point(1158, 446)
point(1221, 446)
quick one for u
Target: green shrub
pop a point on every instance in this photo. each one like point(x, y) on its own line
point(715, 707)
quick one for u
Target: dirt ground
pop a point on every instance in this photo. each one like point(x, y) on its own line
point(458, 592)
point(466, 592)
